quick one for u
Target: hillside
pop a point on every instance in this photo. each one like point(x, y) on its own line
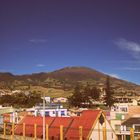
point(65, 78)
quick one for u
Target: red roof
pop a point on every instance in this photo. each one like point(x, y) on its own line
point(54, 129)
point(70, 124)
point(29, 125)
point(86, 121)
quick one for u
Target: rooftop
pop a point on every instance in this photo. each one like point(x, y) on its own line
point(70, 124)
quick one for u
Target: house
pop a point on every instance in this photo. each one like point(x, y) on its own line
point(126, 99)
point(60, 100)
point(6, 110)
point(117, 116)
point(120, 113)
point(13, 117)
point(91, 125)
point(16, 91)
point(132, 122)
point(51, 110)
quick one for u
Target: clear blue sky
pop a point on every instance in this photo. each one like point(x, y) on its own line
point(45, 35)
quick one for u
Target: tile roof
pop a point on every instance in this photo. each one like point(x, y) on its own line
point(131, 121)
point(86, 121)
point(29, 128)
point(54, 129)
point(70, 124)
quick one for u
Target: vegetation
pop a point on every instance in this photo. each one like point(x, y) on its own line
point(61, 83)
point(64, 79)
point(76, 99)
point(20, 100)
point(84, 96)
point(109, 98)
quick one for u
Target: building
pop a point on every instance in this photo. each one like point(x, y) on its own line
point(131, 123)
point(51, 110)
point(5, 110)
point(129, 100)
point(60, 100)
point(13, 117)
point(120, 113)
point(132, 111)
point(91, 125)
point(117, 116)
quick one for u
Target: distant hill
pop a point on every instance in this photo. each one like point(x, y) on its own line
point(63, 78)
point(75, 74)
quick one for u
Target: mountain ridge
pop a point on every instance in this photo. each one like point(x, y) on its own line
point(67, 75)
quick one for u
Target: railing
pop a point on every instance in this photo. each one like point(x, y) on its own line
point(27, 132)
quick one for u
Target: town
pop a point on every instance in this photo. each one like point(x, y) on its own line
point(53, 118)
point(69, 69)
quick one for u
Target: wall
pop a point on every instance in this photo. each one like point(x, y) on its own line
point(97, 133)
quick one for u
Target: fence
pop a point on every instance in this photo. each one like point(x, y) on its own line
point(28, 132)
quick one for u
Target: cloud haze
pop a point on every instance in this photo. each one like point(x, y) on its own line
point(40, 65)
point(114, 75)
point(130, 68)
point(38, 40)
point(132, 47)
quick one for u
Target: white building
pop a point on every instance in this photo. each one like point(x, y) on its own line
point(119, 113)
point(60, 100)
point(51, 110)
point(117, 116)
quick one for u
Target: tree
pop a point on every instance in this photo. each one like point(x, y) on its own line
point(87, 95)
point(34, 98)
point(109, 99)
point(95, 93)
point(76, 99)
point(21, 99)
point(84, 96)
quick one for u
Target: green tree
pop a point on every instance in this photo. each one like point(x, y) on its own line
point(109, 99)
point(84, 96)
point(87, 95)
point(95, 93)
point(21, 99)
point(34, 98)
point(76, 99)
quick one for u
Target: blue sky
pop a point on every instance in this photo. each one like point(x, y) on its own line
point(45, 35)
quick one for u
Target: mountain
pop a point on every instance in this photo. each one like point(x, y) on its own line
point(76, 74)
point(66, 77)
point(6, 76)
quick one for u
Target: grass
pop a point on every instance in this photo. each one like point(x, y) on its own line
point(51, 92)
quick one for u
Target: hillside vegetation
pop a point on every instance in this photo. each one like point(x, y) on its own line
point(62, 80)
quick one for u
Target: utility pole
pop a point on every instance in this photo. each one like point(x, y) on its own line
point(44, 116)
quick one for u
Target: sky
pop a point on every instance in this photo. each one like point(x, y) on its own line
point(46, 35)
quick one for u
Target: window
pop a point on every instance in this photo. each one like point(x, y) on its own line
point(128, 128)
point(112, 135)
point(137, 128)
point(47, 113)
point(117, 127)
point(123, 117)
point(62, 113)
point(123, 109)
point(56, 113)
point(118, 116)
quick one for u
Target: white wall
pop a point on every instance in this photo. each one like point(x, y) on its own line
point(99, 133)
point(52, 112)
